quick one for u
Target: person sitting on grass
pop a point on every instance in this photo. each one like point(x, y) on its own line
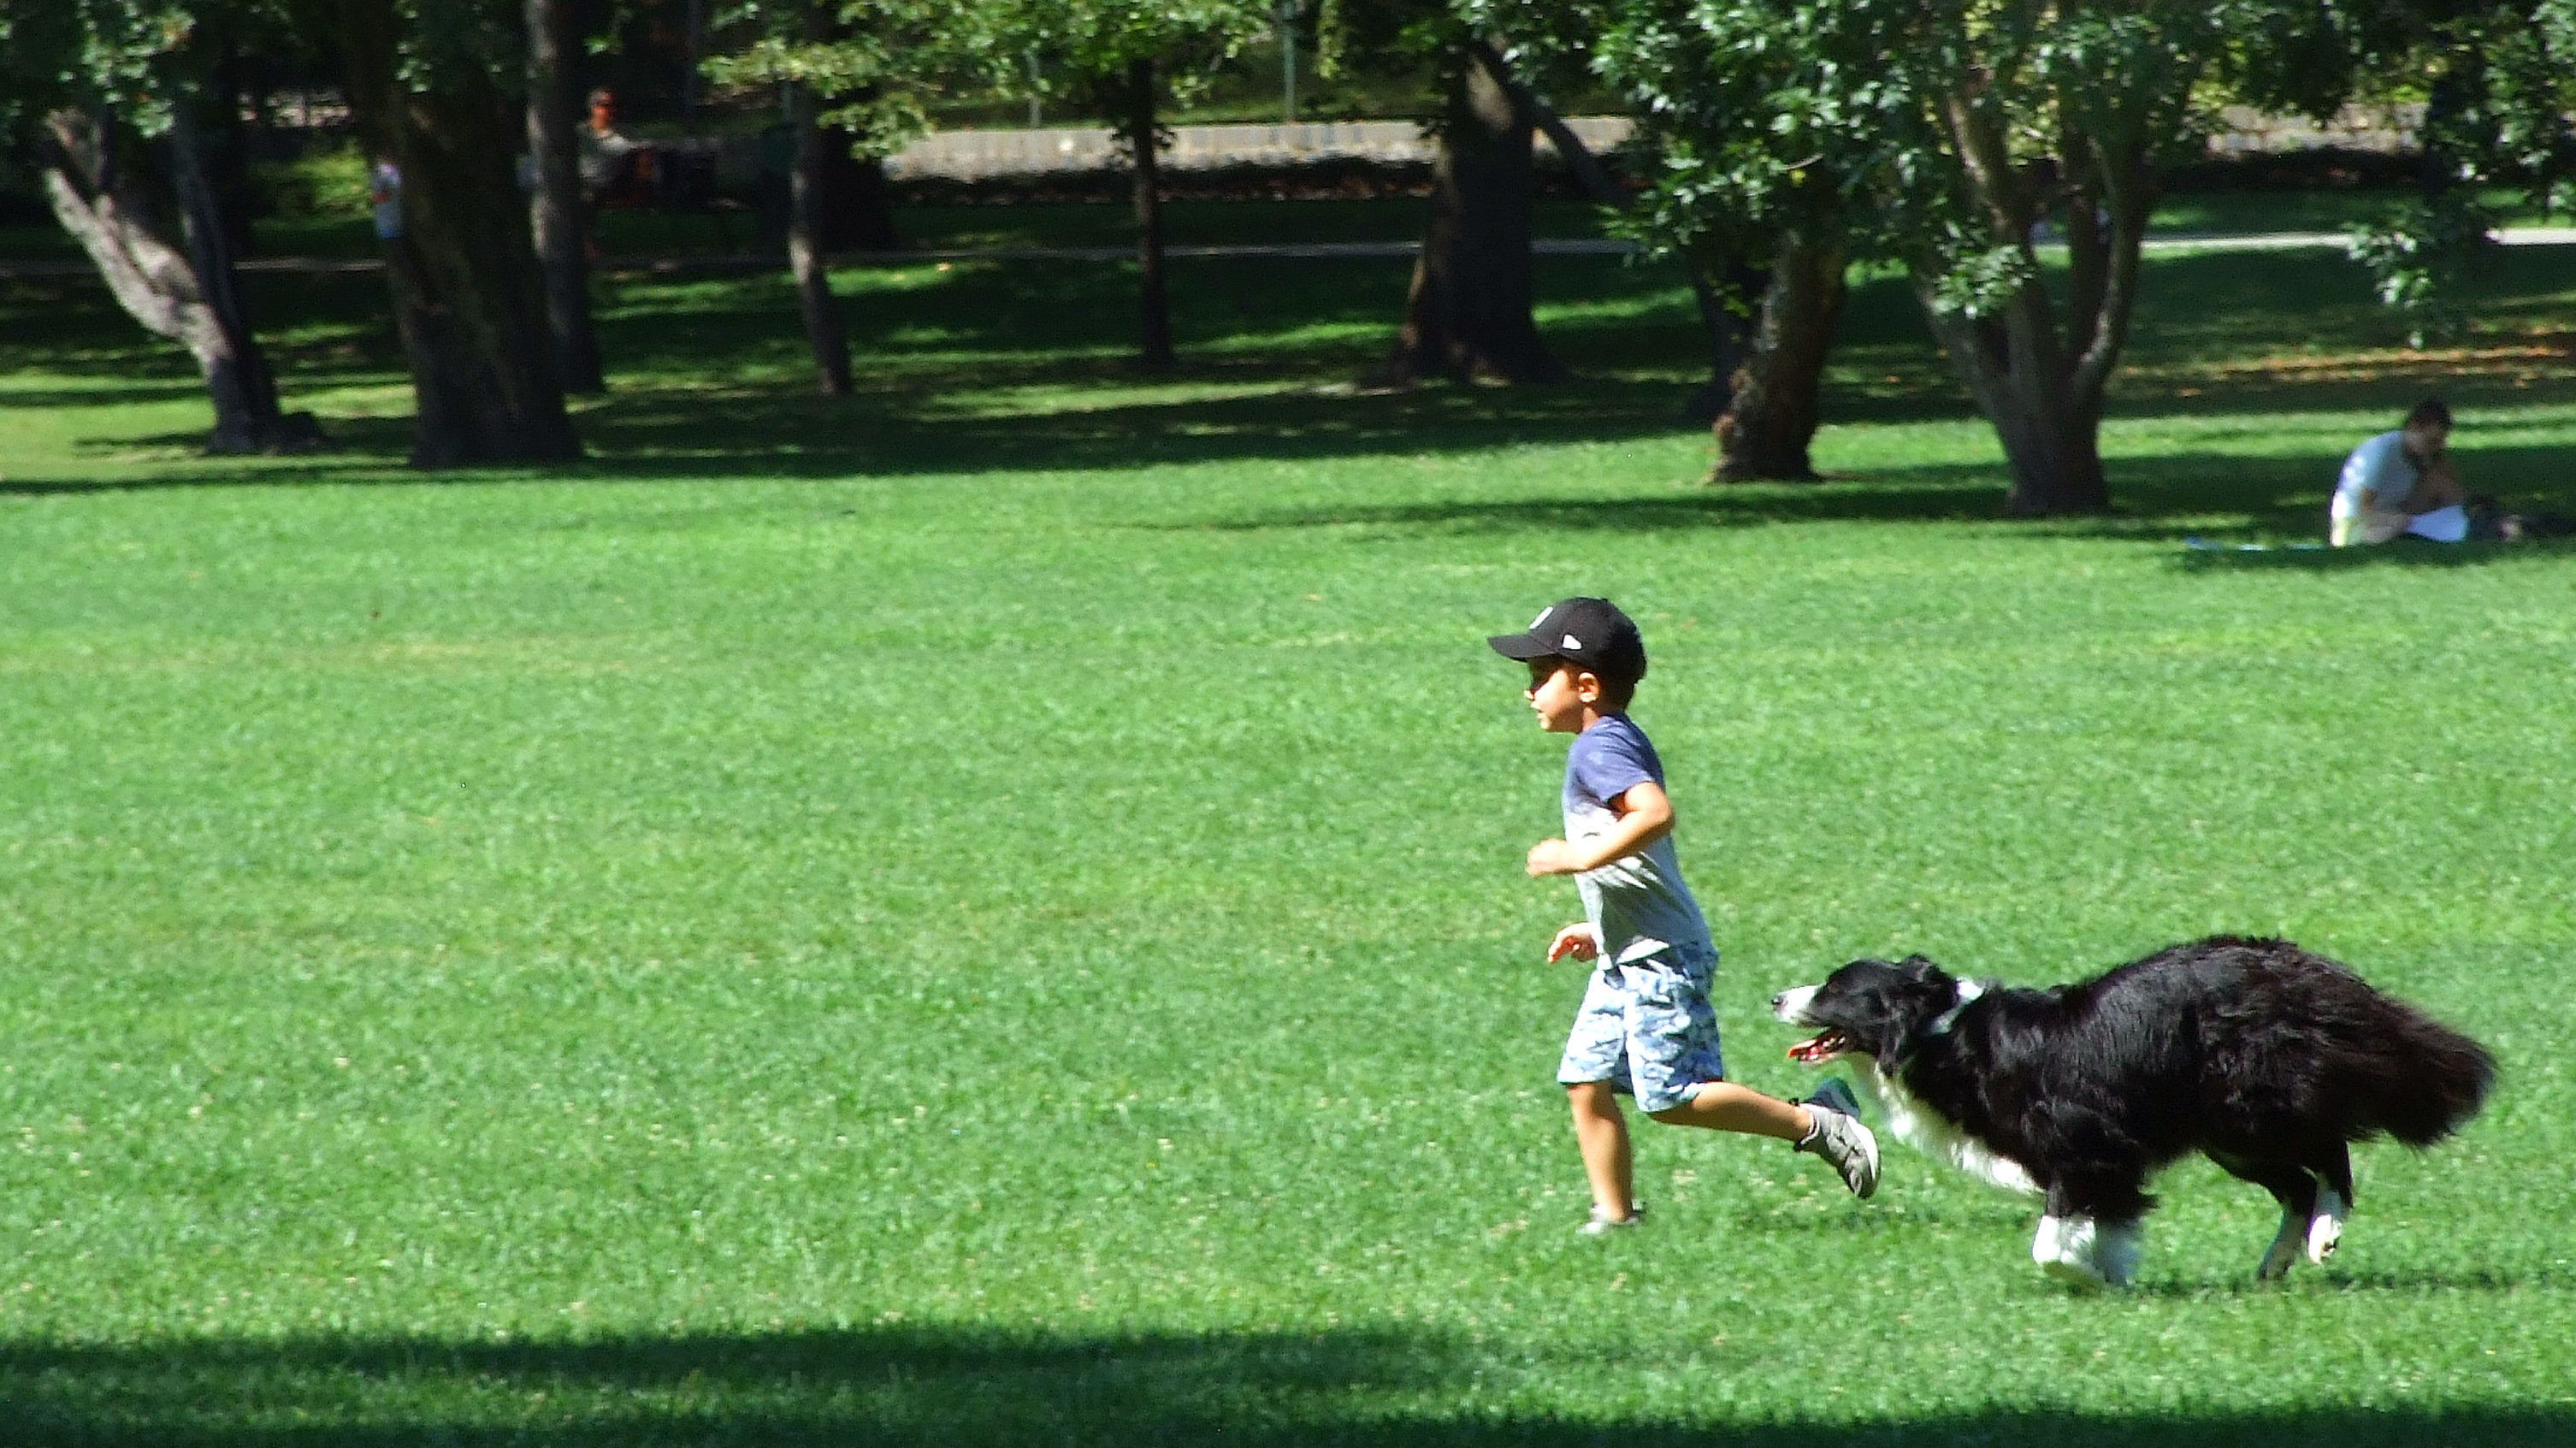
point(1645, 1027)
point(2401, 484)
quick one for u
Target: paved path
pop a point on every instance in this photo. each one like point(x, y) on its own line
point(979, 154)
point(1288, 250)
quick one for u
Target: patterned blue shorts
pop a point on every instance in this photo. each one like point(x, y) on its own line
point(1646, 1027)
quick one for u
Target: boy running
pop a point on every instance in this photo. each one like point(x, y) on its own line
point(1645, 1027)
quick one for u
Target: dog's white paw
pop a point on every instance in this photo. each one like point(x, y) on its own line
point(2325, 1229)
point(2083, 1253)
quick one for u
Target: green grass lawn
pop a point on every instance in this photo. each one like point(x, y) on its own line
point(990, 911)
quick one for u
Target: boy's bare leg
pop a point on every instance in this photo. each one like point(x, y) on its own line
point(1601, 1131)
point(1725, 1106)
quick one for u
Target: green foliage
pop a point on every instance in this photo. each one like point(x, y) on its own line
point(1865, 120)
point(1096, 43)
point(878, 66)
point(2419, 257)
point(448, 45)
point(2517, 131)
point(1352, 34)
point(1184, 37)
point(1761, 119)
point(2501, 81)
point(1978, 279)
point(112, 53)
point(321, 183)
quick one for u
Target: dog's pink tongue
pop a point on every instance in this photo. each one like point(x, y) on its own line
point(1806, 1051)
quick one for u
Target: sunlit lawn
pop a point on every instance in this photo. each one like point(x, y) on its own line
point(989, 911)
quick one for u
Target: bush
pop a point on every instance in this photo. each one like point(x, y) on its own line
point(325, 181)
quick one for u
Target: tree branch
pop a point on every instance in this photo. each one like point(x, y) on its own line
point(1580, 163)
point(1989, 168)
point(2124, 188)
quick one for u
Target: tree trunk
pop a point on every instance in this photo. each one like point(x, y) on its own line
point(1730, 332)
point(554, 202)
point(2450, 101)
point(805, 257)
point(188, 296)
point(461, 272)
point(2040, 381)
point(1773, 407)
point(1729, 324)
point(1468, 313)
point(2051, 432)
point(1140, 131)
point(1769, 438)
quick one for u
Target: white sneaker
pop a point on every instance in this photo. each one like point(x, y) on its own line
point(1839, 1137)
point(1602, 1224)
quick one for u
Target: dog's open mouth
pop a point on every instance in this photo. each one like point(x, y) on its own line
point(1816, 1051)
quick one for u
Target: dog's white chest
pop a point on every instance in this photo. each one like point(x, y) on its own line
point(1935, 1136)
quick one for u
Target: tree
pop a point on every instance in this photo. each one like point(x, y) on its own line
point(1954, 134)
point(1774, 399)
point(1763, 215)
point(869, 68)
point(1129, 57)
point(1769, 326)
point(562, 242)
point(1467, 311)
point(2499, 81)
point(434, 92)
point(115, 88)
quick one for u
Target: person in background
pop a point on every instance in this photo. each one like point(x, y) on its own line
point(384, 198)
point(2401, 483)
point(614, 165)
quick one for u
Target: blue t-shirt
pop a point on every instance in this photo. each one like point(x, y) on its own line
point(1638, 902)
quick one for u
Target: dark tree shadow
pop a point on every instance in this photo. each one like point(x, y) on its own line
point(2171, 498)
point(985, 368)
point(2405, 553)
point(895, 1385)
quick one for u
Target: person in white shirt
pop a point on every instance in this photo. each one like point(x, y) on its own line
point(2401, 482)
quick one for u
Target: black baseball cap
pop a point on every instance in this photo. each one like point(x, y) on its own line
point(1590, 631)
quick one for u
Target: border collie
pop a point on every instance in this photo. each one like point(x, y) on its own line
point(2261, 1056)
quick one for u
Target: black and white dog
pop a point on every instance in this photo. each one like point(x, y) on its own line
point(2262, 1056)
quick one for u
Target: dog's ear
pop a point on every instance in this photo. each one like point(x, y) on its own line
point(1921, 971)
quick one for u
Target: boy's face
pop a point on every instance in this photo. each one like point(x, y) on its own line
point(2427, 439)
point(1561, 691)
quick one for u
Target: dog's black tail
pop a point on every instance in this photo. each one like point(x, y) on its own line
point(2385, 1066)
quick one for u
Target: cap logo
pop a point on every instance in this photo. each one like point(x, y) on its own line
point(1570, 641)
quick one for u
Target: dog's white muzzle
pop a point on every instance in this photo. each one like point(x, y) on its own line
point(1790, 1006)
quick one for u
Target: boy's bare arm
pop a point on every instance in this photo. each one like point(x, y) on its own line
point(1645, 816)
point(1579, 940)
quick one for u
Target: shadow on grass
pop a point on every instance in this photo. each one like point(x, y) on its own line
point(730, 433)
point(2210, 496)
point(2377, 1282)
point(986, 369)
point(2165, 498)
point(108, 394)
point(1376, 1389)
point(2405, 553)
